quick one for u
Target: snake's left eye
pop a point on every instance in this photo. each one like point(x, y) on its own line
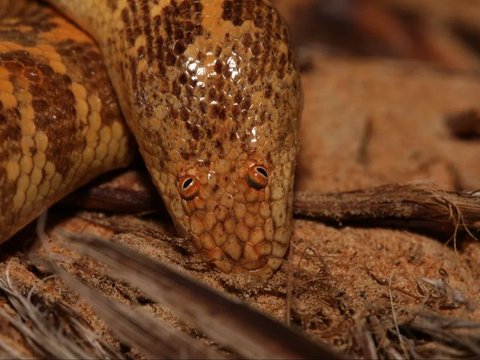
point(189, 187)
point(257, 176)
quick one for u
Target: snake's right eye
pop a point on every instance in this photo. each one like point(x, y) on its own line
point(189, 187)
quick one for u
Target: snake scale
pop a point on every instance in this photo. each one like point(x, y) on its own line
point(208, 88)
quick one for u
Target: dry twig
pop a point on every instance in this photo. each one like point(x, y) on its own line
point(415, 206)
point(153, 336)
point(235, 325)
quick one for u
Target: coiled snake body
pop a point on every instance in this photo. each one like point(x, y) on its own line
point(207, 87)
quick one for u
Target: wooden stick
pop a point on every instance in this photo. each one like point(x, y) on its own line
point(229, 322)
point(417, 206)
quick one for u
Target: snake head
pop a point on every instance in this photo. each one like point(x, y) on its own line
point(216, 105)
point(237, 208)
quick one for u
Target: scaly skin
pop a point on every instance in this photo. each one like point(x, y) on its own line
point(211, 94)
point(59, 126)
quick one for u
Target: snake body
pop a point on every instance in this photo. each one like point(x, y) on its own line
point(208, 88)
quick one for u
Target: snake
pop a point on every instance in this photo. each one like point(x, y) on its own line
point(207, 91)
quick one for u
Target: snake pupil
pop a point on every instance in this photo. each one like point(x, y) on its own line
point(187, 183)
point(257, 177)
point(189, 187)
point(262, 171)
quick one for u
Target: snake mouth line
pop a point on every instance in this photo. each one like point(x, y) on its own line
point(263, 267)
point(249, 260)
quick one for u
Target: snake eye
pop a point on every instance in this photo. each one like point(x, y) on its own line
point(257, 177)
point(189, 187)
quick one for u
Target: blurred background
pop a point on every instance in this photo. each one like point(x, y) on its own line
point(390, 92)
point(443, 32)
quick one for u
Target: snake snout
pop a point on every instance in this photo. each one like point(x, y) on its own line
point(238, 220)
point(240, 239)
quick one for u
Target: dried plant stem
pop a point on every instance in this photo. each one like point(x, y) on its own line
point(153, 336)
point(228, 322)
point(417, 206)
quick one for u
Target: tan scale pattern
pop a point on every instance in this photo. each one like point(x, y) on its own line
point(57, 129)
point(209, 89)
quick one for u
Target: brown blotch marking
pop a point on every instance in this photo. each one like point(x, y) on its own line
point(9, 129)
point(26, 28)
point(182, 79)
point(85, 64)
point(167, 36)
point(219, 146)
point(129, 34)
point(185, 155)
point(112, 4)
point(194, 131)
point(147, 29)
point(176, 29)
point(54, 106)
point(141, 52)
point(135, 25)
point(270, 31)
point(10, 135)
